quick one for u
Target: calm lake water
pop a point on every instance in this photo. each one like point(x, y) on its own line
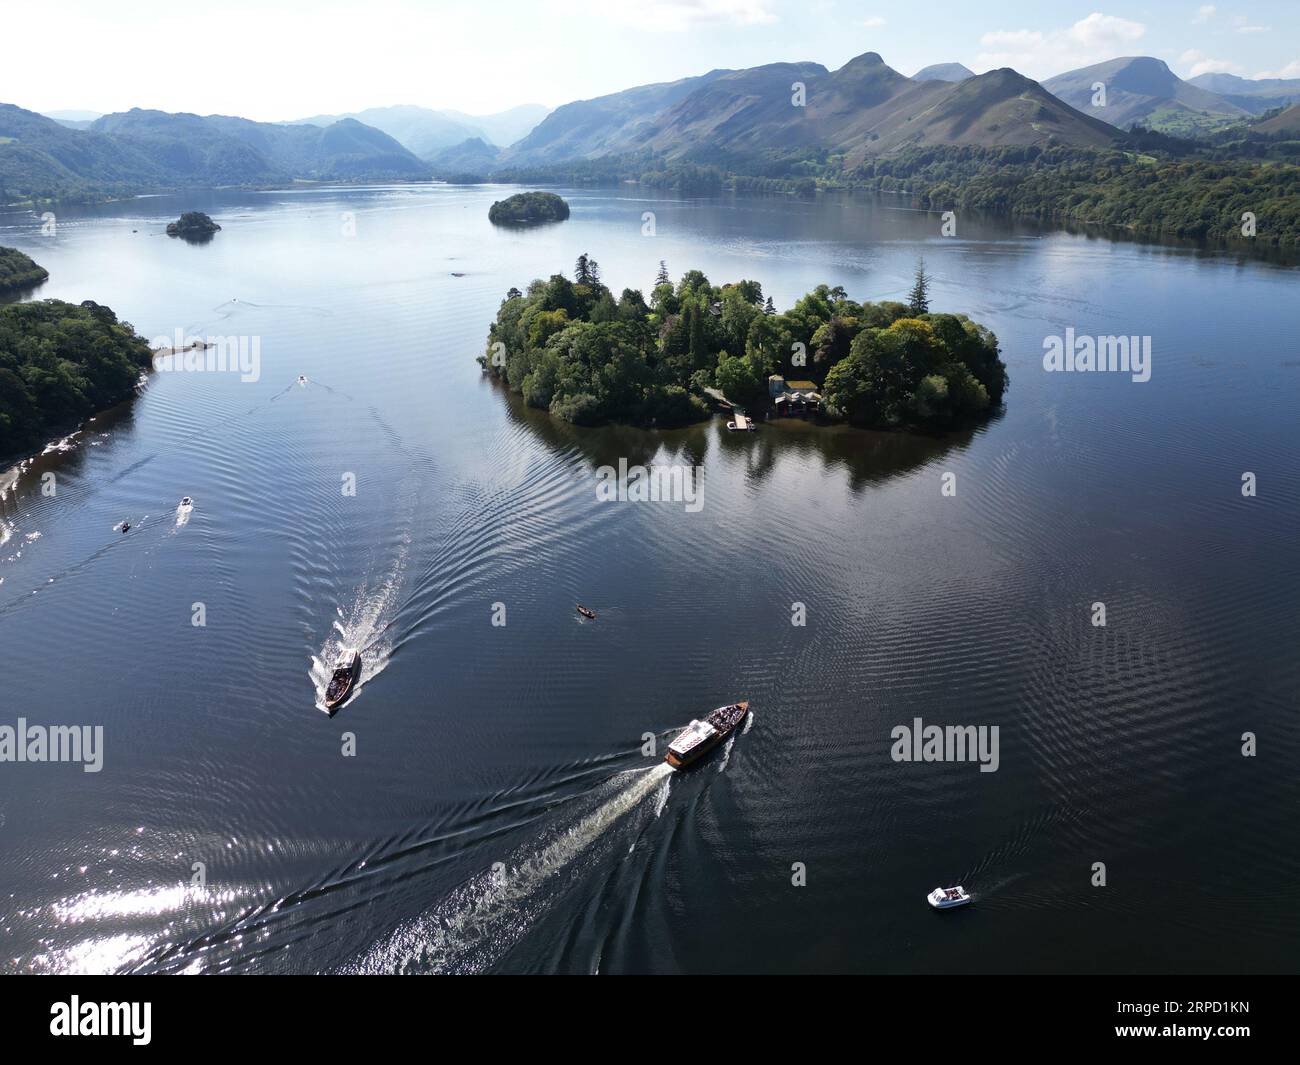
point(498, 813)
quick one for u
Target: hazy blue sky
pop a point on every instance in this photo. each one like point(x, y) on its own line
point(291, 58)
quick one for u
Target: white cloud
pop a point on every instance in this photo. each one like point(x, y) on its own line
point(1200, 63)
point(1090, 40)
point(675, 15)
point(1098, 30)
point(1252, 29)
point(1291, 70)
point(1203, 14)
point(873, 22)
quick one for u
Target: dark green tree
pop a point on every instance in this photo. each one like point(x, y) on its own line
point(918, 300)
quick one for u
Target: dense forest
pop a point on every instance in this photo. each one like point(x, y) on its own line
point(60, 363)
point(1156, 186)
point(525, 208)
point(1150, 196)
point(575, 349)
point(19, 271)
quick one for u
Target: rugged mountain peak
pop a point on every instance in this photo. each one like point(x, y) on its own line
point(866, 59)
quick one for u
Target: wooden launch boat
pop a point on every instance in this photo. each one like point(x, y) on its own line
point(347, 669)
point(700, 737)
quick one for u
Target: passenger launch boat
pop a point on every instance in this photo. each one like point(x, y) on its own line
point(700, 737)
point(347, 668)
point(948, 898)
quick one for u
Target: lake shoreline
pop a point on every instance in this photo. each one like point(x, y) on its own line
point(15, 465)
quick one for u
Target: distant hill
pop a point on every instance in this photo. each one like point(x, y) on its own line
point(140, 149)
point(745, 112)
point(1254, 95)
point(994, 109)
point(738, 118)
point(187, 147)
point(37, 154)
point(426, 132)
point(346, 150)
point(505, 127)
point(418, 129)
point(223, 150)
point(1144, 90)
point(602, 125)
point(473, 156)
point(1287, 121)
point(944, 72)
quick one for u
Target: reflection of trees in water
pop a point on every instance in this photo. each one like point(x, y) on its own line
point(19, 293)
point(870, 456)
point(64, 463)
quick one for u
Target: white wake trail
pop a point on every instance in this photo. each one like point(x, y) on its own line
point(484, 917)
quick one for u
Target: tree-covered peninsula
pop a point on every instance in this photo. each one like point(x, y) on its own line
point(528, 208)
point(588, 357)
point(59, 364)
point(19, 271)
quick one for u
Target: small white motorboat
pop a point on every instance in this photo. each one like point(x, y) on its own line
point(742, 424)
point(949, 898)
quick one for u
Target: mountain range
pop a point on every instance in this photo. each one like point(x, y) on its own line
point(1144, 90)
point(425, 131)
point(1256, 96)
point(755, 121)
point(155, 149)
point(738, 117)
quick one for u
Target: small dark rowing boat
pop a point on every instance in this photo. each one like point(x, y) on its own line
point(586, 613)
point(347, 668)
point(700, 737)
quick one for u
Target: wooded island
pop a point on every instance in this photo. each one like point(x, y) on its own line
point(574, 349)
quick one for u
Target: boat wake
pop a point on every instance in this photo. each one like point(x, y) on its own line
point(475, 925)
point(365, 624)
